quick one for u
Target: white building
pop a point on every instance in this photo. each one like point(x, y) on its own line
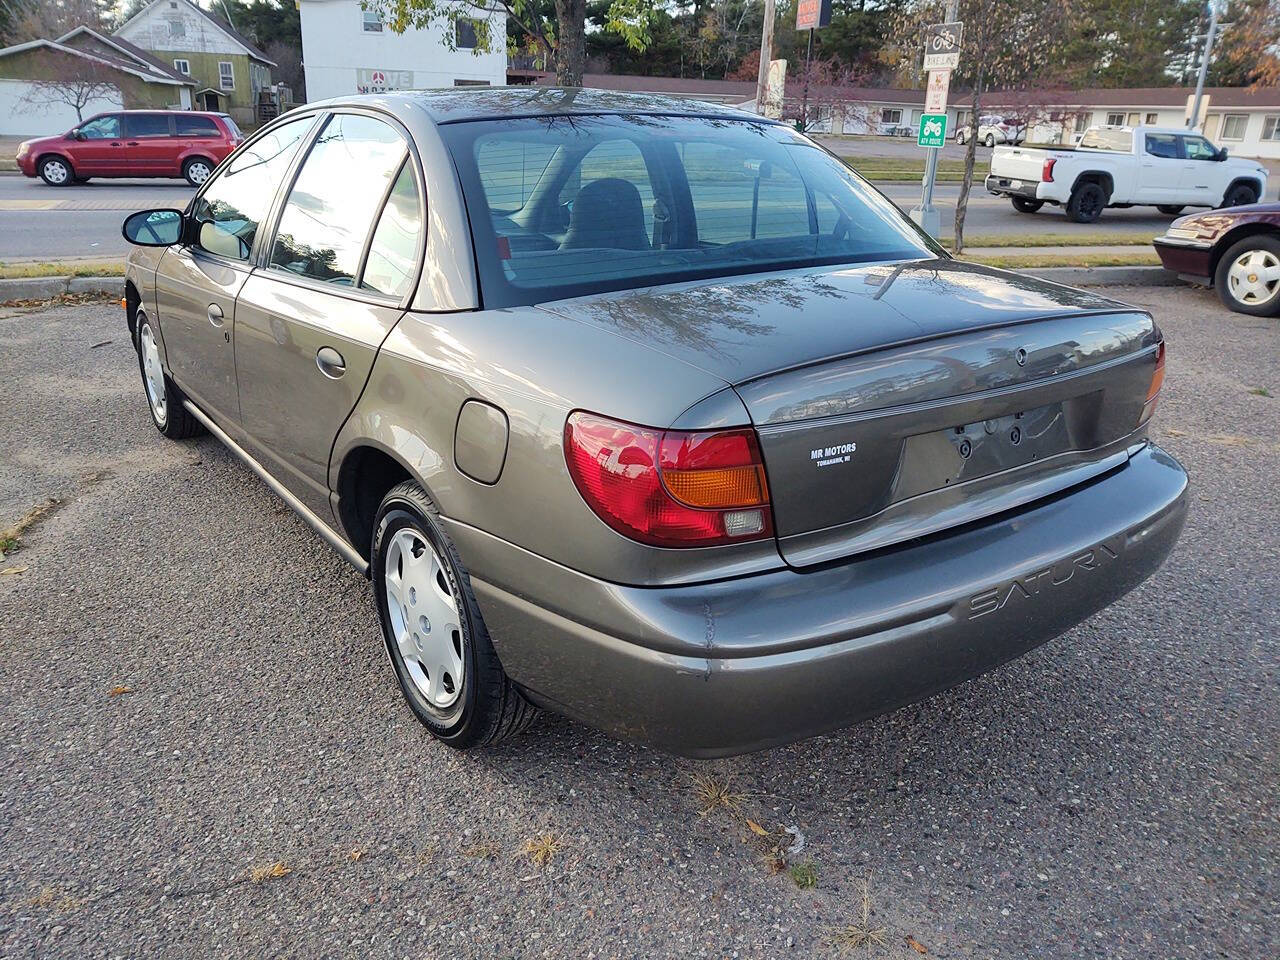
point(347, 50)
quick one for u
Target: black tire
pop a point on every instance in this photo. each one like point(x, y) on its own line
point(176, 421)
point(1239, 195)
point(991, 140)
point(55, 171)
point(1266, 244)
point(1169, 208)
point(1024, 205)
point(1087, 202)
point(489, 707)
point(197, 170)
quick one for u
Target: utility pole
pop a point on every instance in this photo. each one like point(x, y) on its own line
point(1194, 119)
point(766, 55)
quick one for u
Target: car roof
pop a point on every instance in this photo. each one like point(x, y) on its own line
point(460, 104)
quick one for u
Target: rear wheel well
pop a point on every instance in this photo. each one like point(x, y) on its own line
point(1234, 236)
point(365, 477)
point(1095, 176)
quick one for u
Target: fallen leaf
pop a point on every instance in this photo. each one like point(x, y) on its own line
point(10, 571)
point(758, 830)
point(916, 945)
point(120, 690)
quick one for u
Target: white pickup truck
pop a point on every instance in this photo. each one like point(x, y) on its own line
point(1165, 167)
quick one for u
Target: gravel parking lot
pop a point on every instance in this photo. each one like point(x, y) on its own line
point(194, 690)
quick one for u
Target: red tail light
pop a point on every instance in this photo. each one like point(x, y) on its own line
point(670, 489)
point(1153, 392)
point(1046, 172)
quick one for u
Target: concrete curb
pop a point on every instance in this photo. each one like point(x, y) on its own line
point(1105, 276)
point(44, 288)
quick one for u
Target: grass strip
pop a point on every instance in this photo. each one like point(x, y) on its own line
point(73, 268)
point(1137, 259)
point(1055, 240)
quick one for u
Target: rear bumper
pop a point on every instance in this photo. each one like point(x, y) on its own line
point(1013, 187)
point(716, 669)
point(1187, 259)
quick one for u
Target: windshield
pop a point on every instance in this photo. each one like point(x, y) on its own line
point(564, 206)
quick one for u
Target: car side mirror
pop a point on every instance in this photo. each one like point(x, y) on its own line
point(154, 228)
point(1222, 153)
point(78, 135)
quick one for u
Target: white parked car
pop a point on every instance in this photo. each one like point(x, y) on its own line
point(995, 129)
point(1165, 167)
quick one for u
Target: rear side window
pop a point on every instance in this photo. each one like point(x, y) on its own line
point(1163, 145)
point(196, 127)
point(393, 252)
point(238, 198)
point(335, 198)
point(146, 125)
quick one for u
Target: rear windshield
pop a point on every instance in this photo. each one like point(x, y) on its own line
point(568, 206)
point(231, 125)
point(1121, 140)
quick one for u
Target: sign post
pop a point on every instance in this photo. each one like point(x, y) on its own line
point(941, 56)
point(810, 15)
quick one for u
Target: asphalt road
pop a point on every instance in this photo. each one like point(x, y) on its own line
point(1114, 794)
point(83, 220)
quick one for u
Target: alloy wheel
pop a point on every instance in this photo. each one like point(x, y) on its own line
point(424, 617)
point(198, 172)
point(154, 374)
point(1254, 277)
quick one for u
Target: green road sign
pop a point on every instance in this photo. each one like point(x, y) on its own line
point(933, 130)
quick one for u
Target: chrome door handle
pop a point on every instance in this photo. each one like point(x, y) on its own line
point(215, 314)
point(330, 363)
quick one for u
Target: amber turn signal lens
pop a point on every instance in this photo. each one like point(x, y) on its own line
point(1153, 392)
point(718, 489)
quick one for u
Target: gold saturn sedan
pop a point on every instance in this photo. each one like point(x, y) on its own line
point(650, 412)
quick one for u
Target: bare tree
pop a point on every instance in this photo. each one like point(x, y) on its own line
point(70, 80)
point(833, 90)
point(43, 19)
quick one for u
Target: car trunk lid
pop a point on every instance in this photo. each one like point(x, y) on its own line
point(894, 401)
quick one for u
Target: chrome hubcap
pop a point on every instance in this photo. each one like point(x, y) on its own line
point(56, 171)
point(153, 374)
point(199, 172)
point(1254, 277)
point(424, 617)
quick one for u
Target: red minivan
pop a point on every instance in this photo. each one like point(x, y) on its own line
point(133, 143)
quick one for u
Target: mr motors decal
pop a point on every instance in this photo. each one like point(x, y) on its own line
point(829, 456)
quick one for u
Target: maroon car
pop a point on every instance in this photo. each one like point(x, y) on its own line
point(133, 143)
point(1236, 250)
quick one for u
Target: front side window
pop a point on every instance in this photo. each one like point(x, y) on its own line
point(393, 251)
point(568, 206)
point(230, 210)
point(141, 125)
point(101, 128)
point(226, 75)
point(372, 21)
point(1198, 148)
point(1233, 125)
point(335, 198)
